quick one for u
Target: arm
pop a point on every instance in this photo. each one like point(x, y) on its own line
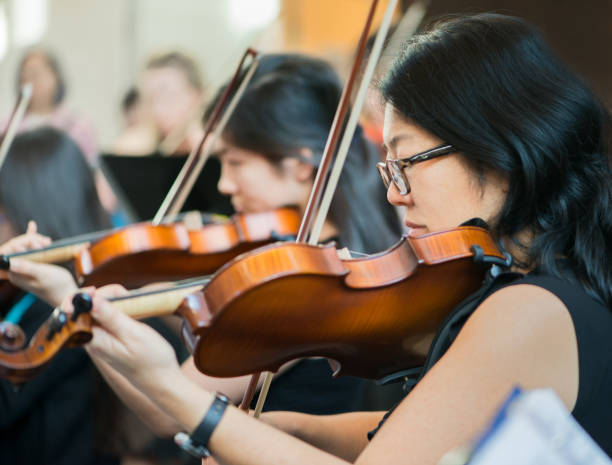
point(327, 432)
point(520, 335)
point(343, 435)
point(233, 388)
point(160, 423)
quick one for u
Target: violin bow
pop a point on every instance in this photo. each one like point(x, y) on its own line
point(176, 197)
point(323, 187)
point(412, 19)
point(25, 94)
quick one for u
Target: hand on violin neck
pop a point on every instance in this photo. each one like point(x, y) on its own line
point(132, 348)
point(50, 283)
point(28, 241)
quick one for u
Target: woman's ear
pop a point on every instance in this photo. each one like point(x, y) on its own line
point(302, 168)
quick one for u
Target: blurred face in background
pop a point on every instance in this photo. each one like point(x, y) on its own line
point(37, 71)
point(255, 184)
point(169, 97)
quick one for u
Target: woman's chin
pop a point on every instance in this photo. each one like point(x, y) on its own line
point(415, 232)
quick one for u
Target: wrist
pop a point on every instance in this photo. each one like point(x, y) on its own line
point(177, 396)
point(197, 442)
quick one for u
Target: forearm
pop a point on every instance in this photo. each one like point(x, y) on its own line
point(258, 443)
point(344, 435)
point(159, 422)
point(233, 388)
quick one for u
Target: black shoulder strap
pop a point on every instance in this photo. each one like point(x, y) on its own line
point(450, 328)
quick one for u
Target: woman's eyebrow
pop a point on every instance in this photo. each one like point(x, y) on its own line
point(394, 141)
point(218, 153)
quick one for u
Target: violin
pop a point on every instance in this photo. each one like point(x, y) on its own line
point(367, 315)
point(144, 253)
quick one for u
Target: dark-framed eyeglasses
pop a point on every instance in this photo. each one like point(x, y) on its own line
point(392, 171)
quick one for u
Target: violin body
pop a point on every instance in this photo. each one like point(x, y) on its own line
point(371, 317)
point(144, 253)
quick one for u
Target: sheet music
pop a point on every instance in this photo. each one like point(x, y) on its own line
point(535, 428)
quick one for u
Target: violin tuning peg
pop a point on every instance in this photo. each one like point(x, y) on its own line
point(56, 322)
point(5, 262)
point(82, 304)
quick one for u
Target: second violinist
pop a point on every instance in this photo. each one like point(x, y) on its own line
point(269, 153)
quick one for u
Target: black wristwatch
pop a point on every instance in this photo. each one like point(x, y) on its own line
point(197, 443)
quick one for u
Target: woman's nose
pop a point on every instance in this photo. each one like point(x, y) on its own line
point(226, 185)
point(393, 195)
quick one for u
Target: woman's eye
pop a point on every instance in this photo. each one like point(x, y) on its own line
point(234, 163)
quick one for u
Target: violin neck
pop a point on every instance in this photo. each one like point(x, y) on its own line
point(57, 254)
point(152, 303)
point(62, 250)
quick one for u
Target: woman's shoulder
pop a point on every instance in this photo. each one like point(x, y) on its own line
point(525, 333)
point(543, 295)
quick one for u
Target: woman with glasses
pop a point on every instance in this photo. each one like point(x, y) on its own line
point(482, 120)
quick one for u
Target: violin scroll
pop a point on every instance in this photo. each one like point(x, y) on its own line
point(20, 362)
point(12, 337)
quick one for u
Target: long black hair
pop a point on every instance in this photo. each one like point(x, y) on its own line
point(489, 85)
point(45, 178)
point(289, 105)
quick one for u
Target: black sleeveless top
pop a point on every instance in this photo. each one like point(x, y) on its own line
point(308, 387)
point(593, 325)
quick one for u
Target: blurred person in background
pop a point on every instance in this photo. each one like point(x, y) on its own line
point(67, 411)
point(170, 94)
point(54, 418)
point(42, 69)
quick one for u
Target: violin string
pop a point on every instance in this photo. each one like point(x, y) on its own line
point(173, 287)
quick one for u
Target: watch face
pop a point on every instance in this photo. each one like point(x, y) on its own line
point(184, 442)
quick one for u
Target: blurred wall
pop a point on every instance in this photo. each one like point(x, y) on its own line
point(102, 45)
point(579, 31)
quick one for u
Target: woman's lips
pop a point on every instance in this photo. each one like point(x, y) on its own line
point(415, 229)
point(412, 225)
